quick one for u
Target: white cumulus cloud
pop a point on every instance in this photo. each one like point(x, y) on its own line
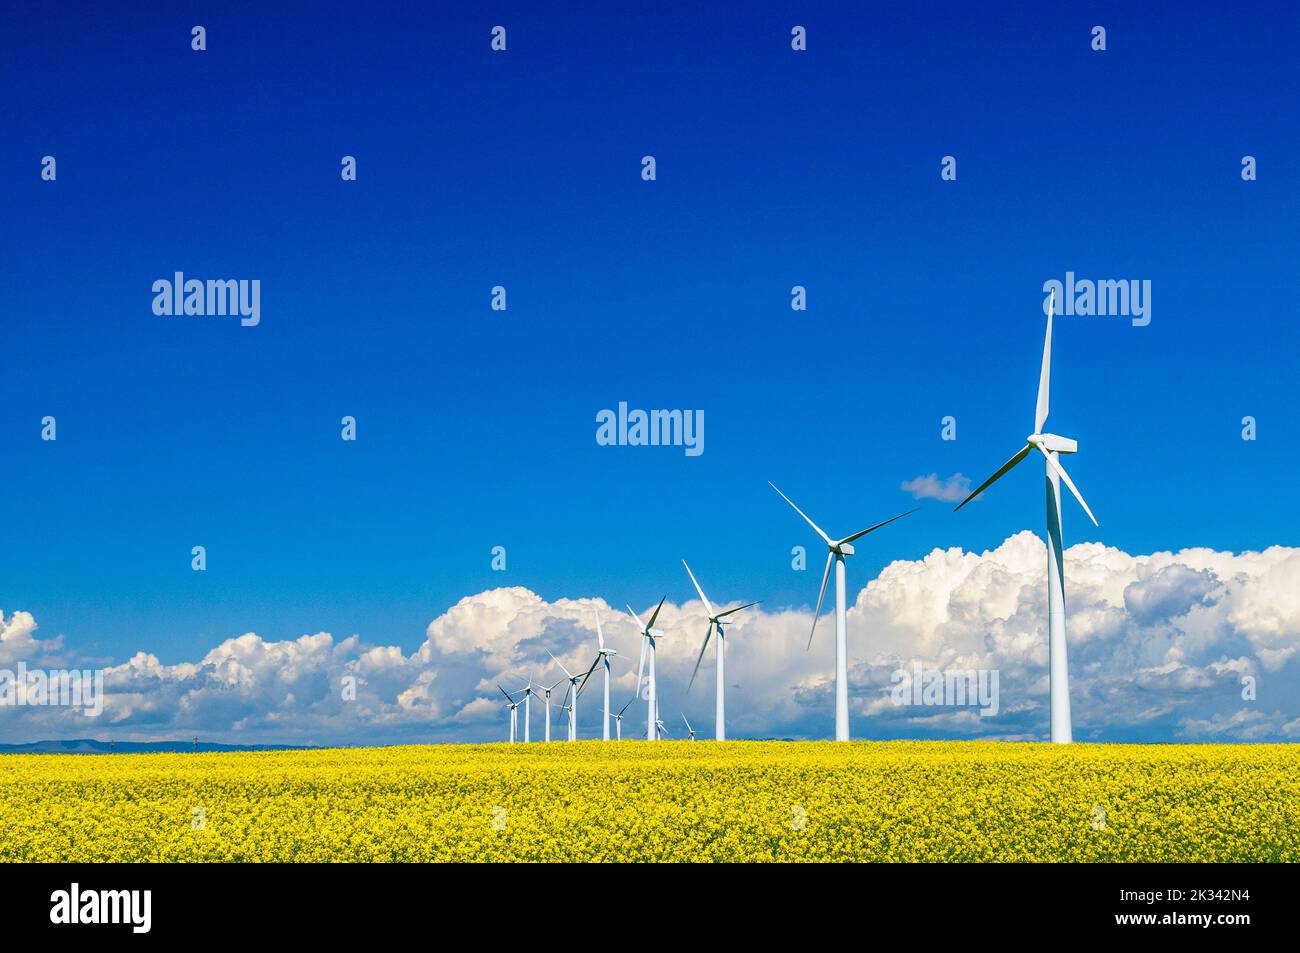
point(931, 486)
point(1193, 645)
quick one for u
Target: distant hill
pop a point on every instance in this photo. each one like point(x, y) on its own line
point(90, 746)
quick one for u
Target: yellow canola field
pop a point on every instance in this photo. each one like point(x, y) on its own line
point(666, 801)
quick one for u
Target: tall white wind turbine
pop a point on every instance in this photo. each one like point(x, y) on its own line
point(648, 637)
point(572, 691)
point(720, 692)
point(1051, 447)
point(837, 550)
point(602, 658)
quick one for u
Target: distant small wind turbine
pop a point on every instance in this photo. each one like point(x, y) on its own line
point(838, 549)
point(689, 729)
point(529, 692)
point(572, 692)
point(601, 657)
point(618, 720)
point(514, 715)
point(546, 697)
point(720, 691)
point(648, 637)
point(1050, 446)
point(568, 711)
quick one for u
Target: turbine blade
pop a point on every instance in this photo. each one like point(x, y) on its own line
point(600, 636)
point(707, 607)
point(826, 574)
point(640, 668)
point(588, 675)
point(559, 663)
point(1052, 462)
point(700, 659)
point(722, 615)
point(639, 624)
point(872, 529)
point(651, 624)
point(1001, 470)
point(506, 693)
point(624, 708)
point(802, 513)
point(1044, 376)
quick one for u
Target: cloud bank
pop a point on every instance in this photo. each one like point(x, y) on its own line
point(1196, 645)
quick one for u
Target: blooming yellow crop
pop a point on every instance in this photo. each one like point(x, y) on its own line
point(672, 800)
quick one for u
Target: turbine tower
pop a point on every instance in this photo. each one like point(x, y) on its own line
point(1051, 447)
point(715, 622)
point(838, 549)
point(648, 637)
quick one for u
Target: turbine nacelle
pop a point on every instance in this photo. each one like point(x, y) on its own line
point(843, 549)
point(1053, 442)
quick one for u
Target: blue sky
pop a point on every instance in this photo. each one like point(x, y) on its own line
point(476, 428)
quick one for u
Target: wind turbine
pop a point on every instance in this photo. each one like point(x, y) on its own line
point(601, 657)
point(568, 710)
point(618, 721)
point(837, 550)
point(689, 729)
point(1050, 446)
point(546, 696)
point(528, 717)
point(514, 715)
point(648, 636)
point(715, 622)
point(573, 690)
